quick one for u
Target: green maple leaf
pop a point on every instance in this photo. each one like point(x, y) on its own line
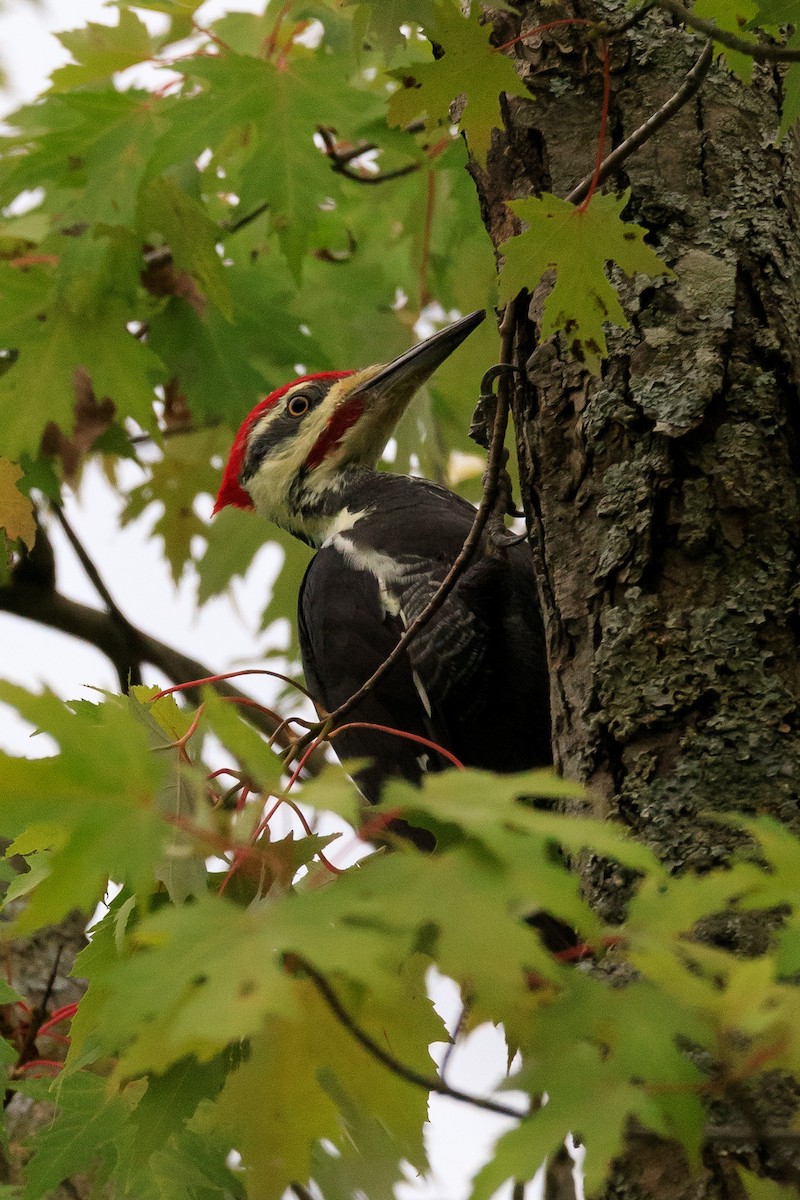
point(775, 12)
point(180, 13)
point(382, 19)
point(101, 50)
point(576, 244)
point(478, 802)
point(207, 974)
point(781, 848)
point(162, 1114)
point(668, 907)
point(276, 109)
point(586, 1096)
point(758, 1188)
point(259, 1109)
point(312, 1065)
point(470, 65)
point(233, 539)
point(287, 171)
point(184, 471)
point(181, 796)
point(94, 144)
point(223, 367)
point(91, 808)
point(40, 386)
point(81, 1136)
point(642, 1048)
point(190, 234)
point(733, 16)
point(468, 909)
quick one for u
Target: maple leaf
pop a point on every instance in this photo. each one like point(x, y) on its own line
point(312, 1065)
point(382, 19)
point(184, 470)
point(101, 50)
point(95, 144)
point(470, 66)
point(576, 244)
point(276, 109)
point(91, 808)
point(233, 539)
point(191, 236)
point(55, 344)
point(223, 367)
point(733, 16)
point(85, 1129)
point(599, 1115)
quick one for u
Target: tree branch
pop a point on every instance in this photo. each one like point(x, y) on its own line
point(124, 645)
point(653, 123)
point(235, 226)
point(133, 675)
point(394, 1065)
point(339, 161)
point(760, 51)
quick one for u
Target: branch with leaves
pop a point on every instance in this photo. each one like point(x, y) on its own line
point(760, 51)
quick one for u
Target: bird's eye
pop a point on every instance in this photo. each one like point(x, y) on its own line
point(298, 405)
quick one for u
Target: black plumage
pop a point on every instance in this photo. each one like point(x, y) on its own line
point(474, 680)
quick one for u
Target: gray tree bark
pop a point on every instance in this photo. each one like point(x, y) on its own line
point(664, 496)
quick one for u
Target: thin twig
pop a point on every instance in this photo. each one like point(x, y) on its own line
point(235, 226)
point(459, 1025)
point(394, 1065)
point(688, 88)
point(90, 569)
point(465, 554)
point(598, 27)
point(36, 1021)
point(594, 179)
point(760, 51)
point(133, 677)
point(340, 160)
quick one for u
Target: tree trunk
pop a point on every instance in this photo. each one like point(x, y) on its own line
point(663, 497)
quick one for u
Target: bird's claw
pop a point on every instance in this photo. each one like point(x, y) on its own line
point(480, 429)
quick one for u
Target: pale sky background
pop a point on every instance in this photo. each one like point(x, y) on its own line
point(223, 634)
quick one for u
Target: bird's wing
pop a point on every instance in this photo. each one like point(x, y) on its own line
point(346, 633)
point(479, 663)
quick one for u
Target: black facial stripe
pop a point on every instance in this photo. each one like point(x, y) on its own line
point(281, 427)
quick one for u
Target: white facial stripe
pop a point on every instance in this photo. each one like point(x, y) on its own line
point(270, 487)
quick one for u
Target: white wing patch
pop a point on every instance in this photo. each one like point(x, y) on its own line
point(383, 569)
point(423, 695)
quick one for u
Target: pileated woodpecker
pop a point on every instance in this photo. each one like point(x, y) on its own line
point(474, 680)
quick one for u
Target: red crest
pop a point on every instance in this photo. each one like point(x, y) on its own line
point(231, 491)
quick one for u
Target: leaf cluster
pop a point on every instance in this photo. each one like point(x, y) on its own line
point(203, 1029)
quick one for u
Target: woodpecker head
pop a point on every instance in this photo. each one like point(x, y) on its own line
point(295, 451)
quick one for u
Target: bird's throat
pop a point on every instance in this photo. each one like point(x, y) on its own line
point(316, 510)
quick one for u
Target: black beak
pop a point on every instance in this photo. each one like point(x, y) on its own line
point(410, 370)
